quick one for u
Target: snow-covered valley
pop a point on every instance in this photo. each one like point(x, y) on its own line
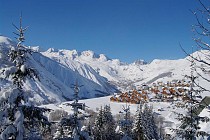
point(99, 77)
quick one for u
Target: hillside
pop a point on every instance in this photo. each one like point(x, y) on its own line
point(100, 76)
point(55, 79)
point(126, 76)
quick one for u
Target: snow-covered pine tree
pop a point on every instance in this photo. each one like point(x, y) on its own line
point(126, 124)
point(70, 128)
point(19, 119)
point(104, 127)
point(11, 114)
point(98, 130)
point(189, 128)
point(151, 128)
point(138, 129)
point(89, 130)
point(18, 56)
point(109, 124)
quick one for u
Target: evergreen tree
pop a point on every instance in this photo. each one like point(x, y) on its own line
point(152, 128)
point(149, 126)
point(126, 123)
point(98, 131)
point(11, 114)
point(89, 130)
point(104, 127)
point(20, 119)
point(70, 128)
point(109, 124)
point(138, 131)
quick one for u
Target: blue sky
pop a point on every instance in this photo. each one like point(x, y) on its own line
point(124, 29)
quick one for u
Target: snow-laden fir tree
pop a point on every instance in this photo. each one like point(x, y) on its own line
point(189, 129)
point(98, 130)
point(19, 118)
point(70, 128)
point(126, 123)
point(104, 127)
point(109, 124)
point(138, 128)
point(18, 55)
point(89, 129)
point(149, 126)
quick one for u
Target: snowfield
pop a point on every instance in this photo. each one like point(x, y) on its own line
point(161, 109)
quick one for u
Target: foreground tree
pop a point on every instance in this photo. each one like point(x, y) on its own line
point(104, 127)
point(19, 118)
point(190, 129)
point(98, 130)
point(126, 124)
point(109, 124)
point(201, 38)
point(200, 67)
point(70, 127)
point(138, 129)
point(149, 126)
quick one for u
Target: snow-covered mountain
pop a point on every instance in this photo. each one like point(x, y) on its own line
point(55, 79)
point(124, 76)
point(99, 75)
point(114, 70)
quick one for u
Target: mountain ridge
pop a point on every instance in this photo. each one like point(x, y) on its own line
point(99, 75)
point(56, 80)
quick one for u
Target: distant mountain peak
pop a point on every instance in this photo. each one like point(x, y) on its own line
point(89, 54)
point(140, 62)
point(52, 50)
point(103, 57)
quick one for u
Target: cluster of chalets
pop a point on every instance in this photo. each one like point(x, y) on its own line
point(133, 97)
point(165, 92)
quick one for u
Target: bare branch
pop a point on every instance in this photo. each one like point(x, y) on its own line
point(204, 6)
point(202, 76)
point(16, 33)
point(16, 27)
point(201, 87)
point(203, 43)
point(25, 28)
point(201, 61)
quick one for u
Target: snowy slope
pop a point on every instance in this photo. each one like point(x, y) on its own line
point(56, 79)
point(115, 71)
point(124, 76)
point(167, 111)
point(59, 69)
